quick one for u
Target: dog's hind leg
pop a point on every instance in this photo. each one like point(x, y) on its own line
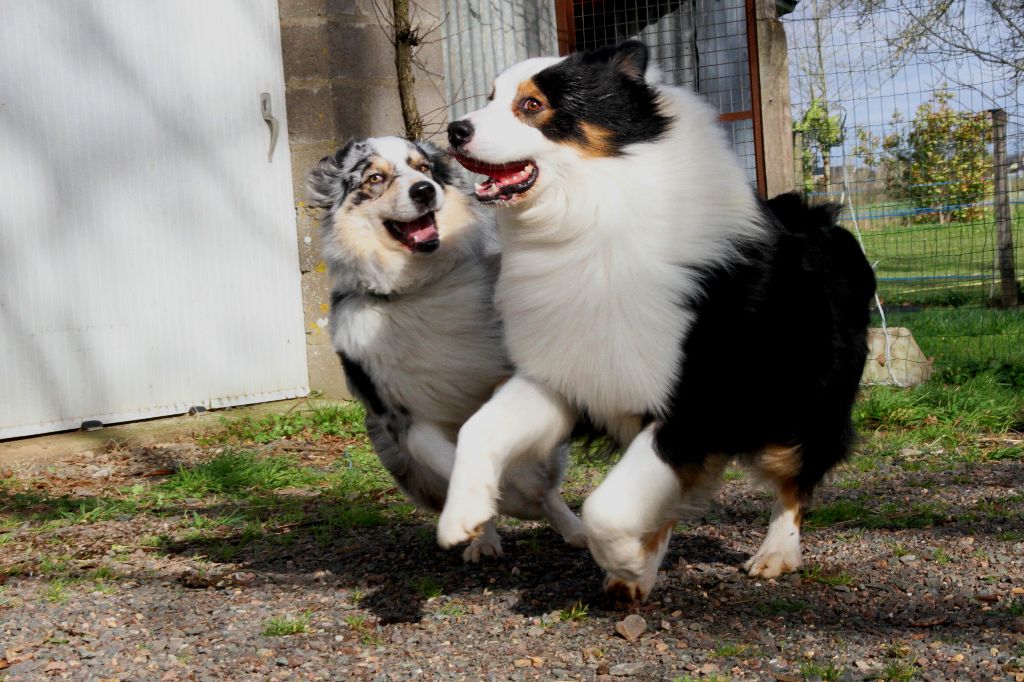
point(780, 551)
point(488, 543)
point(563, 520)
point(793, 471)
point(521, 419)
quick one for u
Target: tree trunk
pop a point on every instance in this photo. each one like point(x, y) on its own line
point(406, 38)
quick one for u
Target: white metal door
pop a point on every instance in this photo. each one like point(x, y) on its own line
point(148, 256)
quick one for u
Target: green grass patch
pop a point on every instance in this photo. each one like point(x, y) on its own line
point(576, 613)
point(735, 650)
point(359, 625)
point(238, 473)
point(890, 515)
point(895, 671)
point(57, 591)
point(1014, 452)
point(817, 574)
point(982, 403)
point(453, 609)
point(316, 420)
point(282, 626)
point(427, 587)
point(781, 606)
point(828, 672)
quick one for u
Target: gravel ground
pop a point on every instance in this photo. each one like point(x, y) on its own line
point(912, 571)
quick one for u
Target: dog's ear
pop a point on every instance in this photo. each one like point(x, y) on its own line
point(326, 182)
point(442, 165)
point(630, 59)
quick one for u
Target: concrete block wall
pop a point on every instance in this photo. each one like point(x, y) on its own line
point(341, 83)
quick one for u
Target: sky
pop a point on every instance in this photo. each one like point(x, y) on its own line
point(866, 89)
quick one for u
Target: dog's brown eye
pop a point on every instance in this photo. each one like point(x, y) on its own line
point(423, 168)
point(531, 105)
point(376, 179)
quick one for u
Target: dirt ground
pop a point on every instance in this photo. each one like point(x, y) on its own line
point(914, 569)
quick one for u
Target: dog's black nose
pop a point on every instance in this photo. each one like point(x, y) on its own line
point(422, 192)
point(459, 132)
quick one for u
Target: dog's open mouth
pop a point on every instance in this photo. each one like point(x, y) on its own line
point(416, 235)
point(504, 182)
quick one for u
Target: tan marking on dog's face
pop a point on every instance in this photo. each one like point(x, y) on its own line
point(597, 141)
point(376, 179)
point(531, 106)
point(418, 161)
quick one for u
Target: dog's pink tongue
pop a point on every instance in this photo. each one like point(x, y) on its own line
point(423, 229)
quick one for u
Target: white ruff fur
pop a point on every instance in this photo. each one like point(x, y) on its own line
point(595, 261)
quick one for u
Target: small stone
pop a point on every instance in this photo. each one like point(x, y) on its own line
point(535, 631)
point(631, 627)
point(626, 669)
point(281, 661)
point(102, 473)
point(708, 668)
point(908, 558)
point(522, 663)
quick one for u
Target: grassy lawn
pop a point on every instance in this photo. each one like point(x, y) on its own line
point(937, 280)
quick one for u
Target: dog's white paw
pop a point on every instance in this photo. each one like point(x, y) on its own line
point(487, 545)
point(463, 518)
point(773, 562)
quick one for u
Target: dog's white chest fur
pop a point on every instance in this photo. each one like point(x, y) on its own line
point(595, 324)
point(597, 268)
point(436, 351)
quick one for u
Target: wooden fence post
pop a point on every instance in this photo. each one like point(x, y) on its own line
point(1004, 219)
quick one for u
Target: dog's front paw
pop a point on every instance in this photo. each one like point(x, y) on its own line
point(463, 518)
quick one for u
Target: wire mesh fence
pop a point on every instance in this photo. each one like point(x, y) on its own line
point(922, 143)
point(892, 117)
point(703, 44)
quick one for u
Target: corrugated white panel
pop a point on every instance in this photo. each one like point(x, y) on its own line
point(482, 38)
point(148, 257)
